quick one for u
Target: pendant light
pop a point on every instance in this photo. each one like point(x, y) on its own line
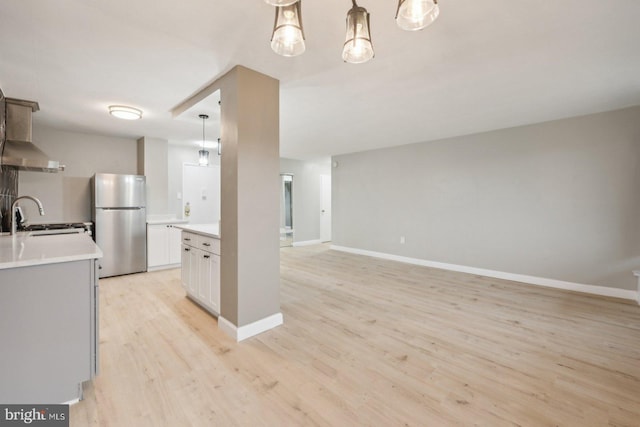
point(413, 15)
point(357, 46)
point(288, 37)
point(280, 2)
point(203, 155)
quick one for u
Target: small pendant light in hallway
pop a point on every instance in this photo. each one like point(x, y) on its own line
point(203, 155)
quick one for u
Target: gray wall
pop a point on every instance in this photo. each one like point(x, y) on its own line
point(66, 196)
point(306, 195)
point(558, 200)
point(152, 163)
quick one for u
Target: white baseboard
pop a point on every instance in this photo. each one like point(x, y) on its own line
point(247, 331)
point(163, 267)
point(307, 243)
point(637, 274)
point(532, 280)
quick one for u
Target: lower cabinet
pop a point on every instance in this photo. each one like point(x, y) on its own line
point(209, 281)
point(163, 246)
point(48, 331)
point(201, 270)
point(189, 266)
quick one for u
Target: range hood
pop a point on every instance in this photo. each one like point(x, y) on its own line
point(17, 149)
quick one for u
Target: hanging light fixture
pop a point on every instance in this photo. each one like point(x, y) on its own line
point(357, 46)
point(203, 155)
point(413, 15)
point(280, 2)
point(288, 37)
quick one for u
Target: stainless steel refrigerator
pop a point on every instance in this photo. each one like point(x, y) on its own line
point(120, 217)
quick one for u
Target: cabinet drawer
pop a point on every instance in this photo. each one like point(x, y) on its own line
point(209, 244)
point(190, 239)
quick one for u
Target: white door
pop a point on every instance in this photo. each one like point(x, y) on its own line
point(201, 189)
point(325, 208)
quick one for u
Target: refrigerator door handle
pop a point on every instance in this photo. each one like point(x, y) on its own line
point(136, 208)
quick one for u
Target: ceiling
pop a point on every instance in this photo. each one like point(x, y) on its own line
point(482, 65)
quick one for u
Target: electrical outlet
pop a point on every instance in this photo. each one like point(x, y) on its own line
point(402, 240)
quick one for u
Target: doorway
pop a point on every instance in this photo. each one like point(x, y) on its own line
point(325, 208)
point(286, 210)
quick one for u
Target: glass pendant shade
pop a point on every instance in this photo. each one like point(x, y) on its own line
point(280, 2)
point(203, 158)
point(357, 46)
point(288, 37)
point(413, 15)
point(203, 155)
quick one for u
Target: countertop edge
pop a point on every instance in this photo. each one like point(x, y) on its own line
point(167, 221)
point(199, 230)
point(53, 260)
point(24, 250)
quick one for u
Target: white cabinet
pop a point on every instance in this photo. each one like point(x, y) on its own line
point(163, 246)
point(189, 266)
point(49, 331)
point(201, 270)
point(175, 235)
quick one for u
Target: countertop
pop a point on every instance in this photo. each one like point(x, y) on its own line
point(23, 249)
point(160, 221)
point(209, 230)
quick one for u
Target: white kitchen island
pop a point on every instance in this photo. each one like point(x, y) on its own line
point(48, 317)
point(201, 264)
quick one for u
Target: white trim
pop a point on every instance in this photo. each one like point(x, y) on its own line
point(163, 267)
point(247, 331)
point(637, 274)
point(71, 402)
point(307, 243)
point(532, 280)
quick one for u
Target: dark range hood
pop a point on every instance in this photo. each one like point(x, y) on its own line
point(16, 147)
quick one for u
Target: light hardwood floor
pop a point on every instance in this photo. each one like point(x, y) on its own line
point(367, 342)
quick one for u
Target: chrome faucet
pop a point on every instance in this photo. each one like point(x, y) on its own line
point(14, 226)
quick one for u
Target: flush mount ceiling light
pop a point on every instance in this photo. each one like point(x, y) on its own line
point(203, 155)
point(413, 15)
point(357, 46)
point(124, 112)
point(288, 37)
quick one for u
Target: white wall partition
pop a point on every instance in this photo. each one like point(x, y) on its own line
point(201, 189)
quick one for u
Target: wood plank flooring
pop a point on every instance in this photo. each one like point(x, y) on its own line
point(367, 342)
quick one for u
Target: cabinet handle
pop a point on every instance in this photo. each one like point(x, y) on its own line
point(206, 244)
point(206, 256)
point(187, 249)
point(186, 239)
